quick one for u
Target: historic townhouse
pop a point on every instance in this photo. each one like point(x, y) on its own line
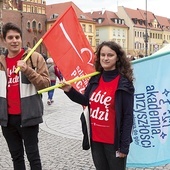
point(147, 32)
point(110, 27)
point(164, 24)
point(88, 25)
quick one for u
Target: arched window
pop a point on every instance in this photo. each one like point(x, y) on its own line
point(28, 25)
point(34, 25)
point(39, 26)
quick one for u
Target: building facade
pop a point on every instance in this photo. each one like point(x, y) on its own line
point(88, 25)
point(30, 15)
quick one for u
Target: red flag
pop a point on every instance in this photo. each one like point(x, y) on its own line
point(68, 46)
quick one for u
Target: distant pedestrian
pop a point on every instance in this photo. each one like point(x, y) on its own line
point(44, 56)
point(109, 97)
point(21, 107)
point(54, 74)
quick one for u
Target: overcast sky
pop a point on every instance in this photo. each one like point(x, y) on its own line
point(158, 7)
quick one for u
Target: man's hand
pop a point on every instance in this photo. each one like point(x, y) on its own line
point(22, 64)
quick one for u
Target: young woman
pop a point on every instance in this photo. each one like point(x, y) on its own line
point(109, 97)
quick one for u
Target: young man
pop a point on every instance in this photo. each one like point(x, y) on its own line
point(21, 108)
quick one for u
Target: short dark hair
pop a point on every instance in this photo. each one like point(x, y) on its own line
point(10, 26)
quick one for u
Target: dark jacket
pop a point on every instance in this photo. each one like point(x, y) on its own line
point(124, 99)
point(34, 78)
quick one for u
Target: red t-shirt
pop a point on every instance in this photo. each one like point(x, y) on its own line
point(13, 92)
point(102, 111)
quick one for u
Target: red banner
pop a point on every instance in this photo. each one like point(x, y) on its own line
point(70, 49)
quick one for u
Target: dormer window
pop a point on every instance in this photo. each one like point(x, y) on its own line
point(82, 16)
point(140, 22)
point(99, 20)
point(53, 16)
point(134, 20)
point(123, 21)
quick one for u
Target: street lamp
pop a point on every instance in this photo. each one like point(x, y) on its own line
point(146, 32)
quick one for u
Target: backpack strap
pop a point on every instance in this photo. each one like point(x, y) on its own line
point(32, 63)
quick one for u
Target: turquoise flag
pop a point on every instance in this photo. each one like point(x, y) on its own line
point(151, 128)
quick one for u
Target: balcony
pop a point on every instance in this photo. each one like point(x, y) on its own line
point(40, 31)
point(35, 30)
point(29, 30)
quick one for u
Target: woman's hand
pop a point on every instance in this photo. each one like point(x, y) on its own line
point(120, 154)
point(65, 86)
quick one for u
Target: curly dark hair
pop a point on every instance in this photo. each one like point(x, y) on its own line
point(123, 65)
point(10, 26)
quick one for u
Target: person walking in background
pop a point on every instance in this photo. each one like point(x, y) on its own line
point(44, 56)
point(54, 73)
point(21, 107)
point(109, 97)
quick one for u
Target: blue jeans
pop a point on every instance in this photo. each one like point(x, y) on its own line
point(51, 92)
point(17, 138)
point(104, 157)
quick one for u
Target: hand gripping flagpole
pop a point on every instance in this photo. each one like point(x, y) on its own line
point(30, 53)
point(69, 82)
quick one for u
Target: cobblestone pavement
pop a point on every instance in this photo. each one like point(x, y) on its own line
point(60, 139)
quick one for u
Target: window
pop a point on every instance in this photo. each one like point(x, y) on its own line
point(28, 25)
point(28, 8)
point(97, 32)
point(39, 26)
point(84, 27)
point(24, 8)
point(123, 43)
point(97, 43)
point(35, 9)
point(114, 32)
point(34, 25)
point(118, 33)
point(90, 40)
point(29, 29)
point(123, 21)
point(53, 16)
point(99, 20)
point(82, 16)
point(90, 28)
point(123, 33)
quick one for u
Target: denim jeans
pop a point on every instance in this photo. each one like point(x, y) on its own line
point(17, 138)
point(51, 92)
point(104, 157)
